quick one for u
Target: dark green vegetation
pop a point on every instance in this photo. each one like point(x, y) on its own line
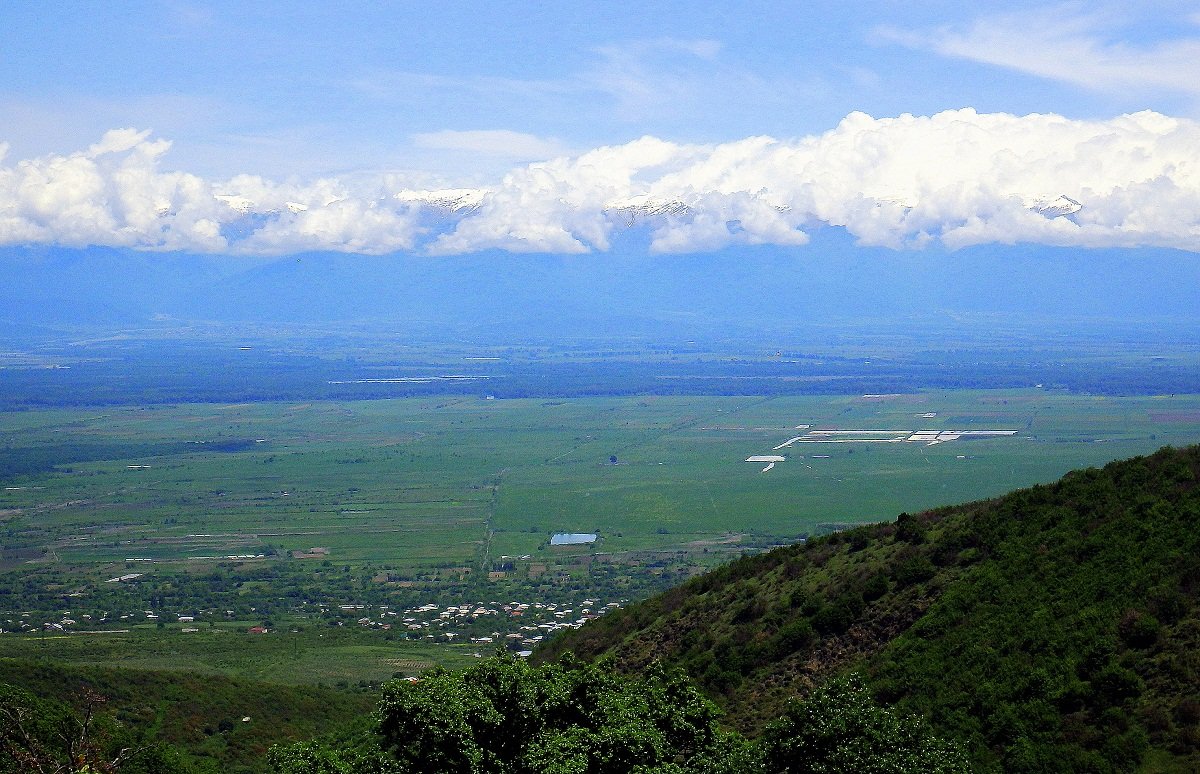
point(1053, 629)
point(165, 722)
point(506, 717)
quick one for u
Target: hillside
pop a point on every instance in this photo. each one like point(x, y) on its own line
point(1055, 628)
point(187, 722)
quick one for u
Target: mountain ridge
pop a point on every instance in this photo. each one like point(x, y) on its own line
point(744, 287)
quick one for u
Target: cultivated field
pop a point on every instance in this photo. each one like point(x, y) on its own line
point(424, 483)
point(163, 537)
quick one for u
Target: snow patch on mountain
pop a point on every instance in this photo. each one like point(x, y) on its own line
point(1055, 208)
point(452, 200)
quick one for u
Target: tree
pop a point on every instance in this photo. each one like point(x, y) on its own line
point(840, 728)
point(45, 737)
point(564, 718)
point(318, 758)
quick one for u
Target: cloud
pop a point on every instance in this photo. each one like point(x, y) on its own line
point(493, 142)
point(115, 194)
point(1067, 43)
point(643, 81)
point(958, 177)
point(110, 194)
point(668, 78)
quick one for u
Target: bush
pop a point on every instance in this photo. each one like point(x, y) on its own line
point(909, 530)
point(839, 728)
point(793, 637)
point(875, 588)
point(1138, 629)
point(836, 617)
point(914, 570)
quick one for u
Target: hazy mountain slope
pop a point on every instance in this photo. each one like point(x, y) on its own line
point(1056, 628)
point(752, 287)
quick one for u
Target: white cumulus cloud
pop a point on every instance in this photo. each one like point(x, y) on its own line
point(110, 194)
point(959, 177)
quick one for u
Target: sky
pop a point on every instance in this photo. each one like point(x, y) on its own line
point(270, 127)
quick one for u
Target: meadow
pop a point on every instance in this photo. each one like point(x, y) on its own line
point(291, 656)
point(415, 484)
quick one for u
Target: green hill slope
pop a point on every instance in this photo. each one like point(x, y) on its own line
point(1053, 629)
point(206, 723)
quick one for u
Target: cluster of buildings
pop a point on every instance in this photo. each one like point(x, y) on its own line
point(516, 625)
point(87, 622)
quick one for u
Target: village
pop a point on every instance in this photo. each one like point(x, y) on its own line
point(516, 626)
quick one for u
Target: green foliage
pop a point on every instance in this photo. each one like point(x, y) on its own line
point(916, 569)
point(840, 613)
point(1046, 652)
point(508, 716)
point(41, 735)
point(839, 728)
point(338, 757)
point(193, 720)
point(909, 529)
point(795, 636)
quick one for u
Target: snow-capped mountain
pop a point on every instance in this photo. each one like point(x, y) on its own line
point(1055, 208)
point(458, 201)
point(637, 209)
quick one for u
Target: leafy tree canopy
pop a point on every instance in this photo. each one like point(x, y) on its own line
point(508, 717)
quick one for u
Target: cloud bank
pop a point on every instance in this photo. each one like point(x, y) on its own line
point(958, 177)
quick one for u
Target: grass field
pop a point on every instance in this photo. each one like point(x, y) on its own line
point(333, 657)
point(423, 482)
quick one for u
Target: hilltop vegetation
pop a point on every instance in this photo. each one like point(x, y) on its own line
point(1052, 629)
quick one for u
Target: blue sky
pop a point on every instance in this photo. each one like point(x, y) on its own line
point(306, 88)
point(429, 96)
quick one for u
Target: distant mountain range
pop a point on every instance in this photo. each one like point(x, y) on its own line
point(737, 288)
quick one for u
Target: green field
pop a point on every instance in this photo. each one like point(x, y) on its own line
point(422, 482)
point(414, 501)
point(289, 657)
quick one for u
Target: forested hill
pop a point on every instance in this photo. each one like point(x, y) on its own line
point(1053, 629)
